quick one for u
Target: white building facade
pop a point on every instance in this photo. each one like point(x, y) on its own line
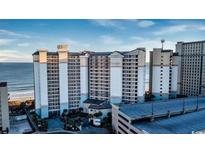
point(163, 74)
point(57, 81)
point(116, 63)
point(64, 80)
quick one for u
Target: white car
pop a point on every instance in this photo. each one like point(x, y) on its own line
point(96, 122)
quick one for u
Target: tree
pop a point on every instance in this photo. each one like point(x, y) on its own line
point(109, 114)
point(81, 109)
point(98, 114)
point(7, 130)
point(65, 112)
point(107, 122)
point(44, 124)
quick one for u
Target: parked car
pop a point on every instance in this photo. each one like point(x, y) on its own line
point(96, 121)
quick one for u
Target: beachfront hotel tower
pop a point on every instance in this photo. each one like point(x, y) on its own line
point(64, 79)
point(117, 76)
point(4, 109)
point(191, 74)
point(57, 81)
point(163, 74)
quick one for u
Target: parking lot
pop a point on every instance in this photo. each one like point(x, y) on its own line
point(19, 126)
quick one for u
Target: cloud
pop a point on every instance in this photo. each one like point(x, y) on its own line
point(135, 42)
point(14, 56)
point(179, 28)
point(137, 38)
point(145, 23)
point(6, 41)
point(110, 43)
point(111, 23)
point(199, 27)
point(172, 29)
point(146, 43)
point(23, 44)
point(149, 44)
point(108, 23)
point(12, 33)
point(109, 40)
point(77, 45)
point(142, 23)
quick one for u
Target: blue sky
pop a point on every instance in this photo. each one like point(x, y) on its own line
point(20, 38)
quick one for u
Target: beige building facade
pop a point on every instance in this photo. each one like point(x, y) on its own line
point(191, 73)
point(65, 80)
point(4, 109)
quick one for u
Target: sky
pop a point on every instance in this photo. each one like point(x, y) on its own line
point(20, 38)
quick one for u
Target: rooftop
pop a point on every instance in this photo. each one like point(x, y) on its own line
point(93, 101)
point(202, 41)
point(169, 117)
point(98, 104)
point(36, 53)
point(101, 53)
point(3, 84)
point(161, 50)
point(160, 108)
point(96, 53)
point(167, 50)
point(180, 124)
point(74, 53)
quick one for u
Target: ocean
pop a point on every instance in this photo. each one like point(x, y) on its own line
point(19, 77)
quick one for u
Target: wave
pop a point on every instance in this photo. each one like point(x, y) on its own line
point(21, 94)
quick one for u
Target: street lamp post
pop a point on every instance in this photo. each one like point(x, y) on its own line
point(162, 41)
point(152, 108)
point(197, 106)
point(183, 105)
point(197, 101)
point(183, 102)
point(152, 117)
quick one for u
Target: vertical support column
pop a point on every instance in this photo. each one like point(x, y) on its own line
point(4, 109)
point(161, 74)
point(116, 77)
point(202, 89)
point(63, 76)
point(165, 82)
point(141, 84)
point(141, 76)
point(36, 66)
point(179, 51)
point(83, 78)
point(156, 82)
point(174, 76)
point(43, 83)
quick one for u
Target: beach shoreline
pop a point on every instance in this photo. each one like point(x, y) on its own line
point(21, 95)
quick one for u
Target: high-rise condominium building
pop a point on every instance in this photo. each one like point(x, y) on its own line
point(57, 81)
point(64, 80)
point(117, 76)
point(191, 73)
point(4, 110)
point(163, 74)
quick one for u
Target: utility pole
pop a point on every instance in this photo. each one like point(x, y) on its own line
point(162, 41)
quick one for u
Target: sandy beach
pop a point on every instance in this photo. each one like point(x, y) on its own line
point(16, 98)
point(21, 95)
